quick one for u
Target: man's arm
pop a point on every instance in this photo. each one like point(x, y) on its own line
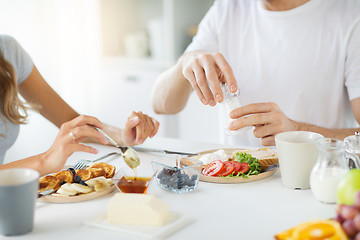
point(171, 91)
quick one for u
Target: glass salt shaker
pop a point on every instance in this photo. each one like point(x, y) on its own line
point(231, 102)
point(352, 144)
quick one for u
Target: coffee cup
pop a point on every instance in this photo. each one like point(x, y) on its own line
point(18, 194)
point(297, 152)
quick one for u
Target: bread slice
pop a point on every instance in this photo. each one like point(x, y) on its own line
point(266, 156)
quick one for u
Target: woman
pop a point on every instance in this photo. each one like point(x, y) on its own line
point(19, 75)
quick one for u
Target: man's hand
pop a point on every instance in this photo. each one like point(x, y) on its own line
point(205, 71)
point(267, 118)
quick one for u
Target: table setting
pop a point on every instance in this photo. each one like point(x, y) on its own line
point(257, 209)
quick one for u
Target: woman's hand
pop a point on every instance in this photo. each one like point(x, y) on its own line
point(205, 71)
point(138, 128)
point(267, 118)
point(68, 141)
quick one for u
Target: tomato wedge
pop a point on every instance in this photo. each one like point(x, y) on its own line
point(213, 168)
point(244, 167)
point(236, 165)
point(227, 169)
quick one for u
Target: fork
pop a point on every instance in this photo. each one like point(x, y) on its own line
point(84, 162)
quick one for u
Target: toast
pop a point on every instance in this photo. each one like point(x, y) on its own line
point(266, 156)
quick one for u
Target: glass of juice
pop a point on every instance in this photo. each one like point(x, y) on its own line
point(136, 180)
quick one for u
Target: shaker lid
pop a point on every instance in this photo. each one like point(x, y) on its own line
point(353, 143)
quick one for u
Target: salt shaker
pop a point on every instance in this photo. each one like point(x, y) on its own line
point(352, 144)
point(231, 102)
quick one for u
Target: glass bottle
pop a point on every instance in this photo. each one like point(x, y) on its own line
point(331, 166)
point(231, 102)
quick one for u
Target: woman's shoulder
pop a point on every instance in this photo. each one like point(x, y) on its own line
point(17, 56)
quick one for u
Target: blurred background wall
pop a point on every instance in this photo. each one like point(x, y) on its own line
point(102, 57)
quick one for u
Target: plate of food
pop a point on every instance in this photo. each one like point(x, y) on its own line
point(233, 165)
point(78, 185)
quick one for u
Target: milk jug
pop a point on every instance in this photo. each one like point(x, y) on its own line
point(332, 164)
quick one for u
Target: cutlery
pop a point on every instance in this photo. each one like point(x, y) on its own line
point(84, 162)
point(141, 149)
point(44, 193)
point(271, 167)
point(129, 155)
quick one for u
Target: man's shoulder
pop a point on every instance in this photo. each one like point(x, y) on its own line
point(349, 9)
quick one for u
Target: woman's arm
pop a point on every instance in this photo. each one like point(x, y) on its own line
point(37, 91)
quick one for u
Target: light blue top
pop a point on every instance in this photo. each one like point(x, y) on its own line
point(23, 65)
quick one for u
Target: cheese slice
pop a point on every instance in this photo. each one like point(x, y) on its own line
point(137, 209)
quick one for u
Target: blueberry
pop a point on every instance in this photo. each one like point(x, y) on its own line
point(194, 177)
point(82, 182)
point(63, 182)
point(77, 179)
point(72, 171)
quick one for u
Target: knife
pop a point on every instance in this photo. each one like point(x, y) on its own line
point(141, 149)
point(44, 193)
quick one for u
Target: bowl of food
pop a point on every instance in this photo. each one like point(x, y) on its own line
point(176, 173)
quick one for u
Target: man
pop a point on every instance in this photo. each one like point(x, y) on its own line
point(296, 63)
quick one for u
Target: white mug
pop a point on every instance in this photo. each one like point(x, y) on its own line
point(297, 152)
point(18, 194)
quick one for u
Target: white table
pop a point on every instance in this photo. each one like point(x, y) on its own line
point(255, 210)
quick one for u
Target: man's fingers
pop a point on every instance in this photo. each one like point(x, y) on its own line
point(203, 84)
point(226, 70)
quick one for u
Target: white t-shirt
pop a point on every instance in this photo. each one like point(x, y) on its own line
point(23, 66)
point(307, 59)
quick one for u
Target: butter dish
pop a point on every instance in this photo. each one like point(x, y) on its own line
point(175, 223)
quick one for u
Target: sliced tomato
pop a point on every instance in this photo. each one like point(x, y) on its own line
point(213, 168)
point(227, 169)
point(244, 167)
point(236, 165)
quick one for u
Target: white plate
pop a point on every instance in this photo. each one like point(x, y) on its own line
point(144, 232)
point(78, 198)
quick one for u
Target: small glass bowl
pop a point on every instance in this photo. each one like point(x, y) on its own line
point(126, 182)
point(176, 173)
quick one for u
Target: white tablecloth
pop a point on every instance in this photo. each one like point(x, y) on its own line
point(255, 210)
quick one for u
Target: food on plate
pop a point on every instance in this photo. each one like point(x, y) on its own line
point(266, 156)
point(65, 175)
point(217, 155)
point(239, 163)
point(72, 182)
point(109, 169)
point(242, 165)
point(85, 174)
point(49, 182)
point(137, 209)
point(98, 184)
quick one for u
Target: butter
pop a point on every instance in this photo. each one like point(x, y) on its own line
point(137, 209)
